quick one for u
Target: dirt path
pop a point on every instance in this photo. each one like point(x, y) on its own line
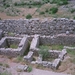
point(13, 68)
point(42, 72)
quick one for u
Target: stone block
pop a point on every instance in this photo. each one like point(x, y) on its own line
point(34, 44)
point(1, 33)
point(45, 63)
point(33, 62)
point(39, 62)
point(56, 63)
point(29, 56)
point(49, 64)
point(25, 67)
point(62, 54)
point(22, 68)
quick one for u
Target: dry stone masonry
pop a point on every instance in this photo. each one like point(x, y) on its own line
point(23, 44)
point(30, 34)
point(1, 34)
point(36, 26)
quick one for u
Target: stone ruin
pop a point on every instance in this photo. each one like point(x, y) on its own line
point(37, 26)
point(30, 34)
point(36, 40)
point(5, 49)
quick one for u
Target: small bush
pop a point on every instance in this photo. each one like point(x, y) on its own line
point(6, 65)
point(7, 5)
point(44, 53)
point(74, 17)
point(30, 7)
point(19, 4)
point(54, 10)
point(13, 46)
point(41, 13)
point(34, 59)
point(59, 2)
point(15, 4)
point(4, 0)
point(29, 69)
point(46, 10)
point(5, 73)
point(1, 64)
point(72, 10)
point(29, 16)
point(17, 59)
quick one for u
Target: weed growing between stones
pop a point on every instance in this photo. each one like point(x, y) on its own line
point(71, 52)
point(4, 65)
point(17, 59)
point(29, 69)
point(44, 53)
point(5, 73)
point(51, 47)
point(1, 64)
point(13, 46)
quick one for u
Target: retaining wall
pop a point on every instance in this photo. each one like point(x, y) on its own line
point(36, 26)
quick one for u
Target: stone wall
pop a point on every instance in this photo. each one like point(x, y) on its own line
point(60, 39)
point(13, 52)
point(36, 26)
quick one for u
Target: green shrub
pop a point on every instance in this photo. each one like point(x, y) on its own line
point(51, 47)
point(19, 4)
point(36, 3)
point(6, 65)
point(7, 5)
point(41, 13)
point(5, 73)
point(34, 59)
point(29, 16)
point(15, 4)
point(74, 17)
point(19, 59)
point(71, 52)
point(53, 10)
point(30, 7)
point(1, 64)
point(29, 69)
point(13, 46)
point(44, 53)
point(46, 10)
point(4, 0)
point(46, 1)
point(72, 10)
point(59, 2)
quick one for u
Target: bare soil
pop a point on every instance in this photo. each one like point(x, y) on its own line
point(67, 67)
point(63, 11)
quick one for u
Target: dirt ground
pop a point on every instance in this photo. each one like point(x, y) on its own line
point(63, 11)
point(66, 67)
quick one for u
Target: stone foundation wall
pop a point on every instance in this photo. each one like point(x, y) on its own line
point(36, 26)
point(60, 39)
